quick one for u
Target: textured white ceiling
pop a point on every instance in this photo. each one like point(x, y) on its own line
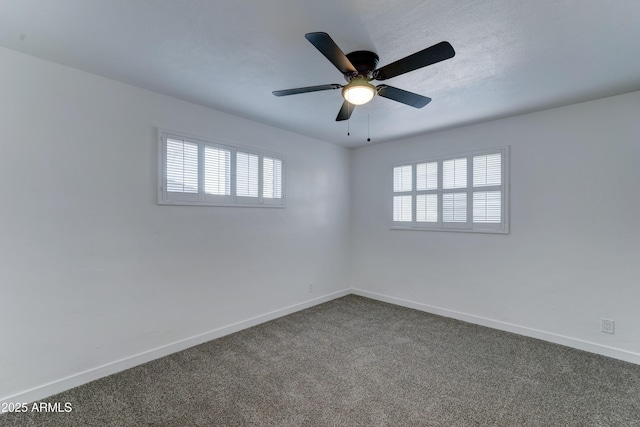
point(512, 56)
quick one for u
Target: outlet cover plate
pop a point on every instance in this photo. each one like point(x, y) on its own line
point(607, 326)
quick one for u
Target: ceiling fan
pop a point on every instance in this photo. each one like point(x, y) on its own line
point(359, 68)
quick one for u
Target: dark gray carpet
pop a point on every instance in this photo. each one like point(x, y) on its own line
point(359, 362)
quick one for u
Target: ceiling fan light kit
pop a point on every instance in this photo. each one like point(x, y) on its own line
point(359, 68)
point(358, 91)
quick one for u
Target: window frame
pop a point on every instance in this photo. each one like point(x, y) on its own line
point(469, 225)
point(201, 198)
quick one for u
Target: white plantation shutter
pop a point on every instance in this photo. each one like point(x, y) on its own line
point(454, 173)
point(487, 170)
point(454, 176)
point(465, 193)
point(402, 209)
point(487, 204)
point(454, 207)
point(402, 179)
point(427, 176)
point(426, 197)
point(403, 204)
point(271, 178)
point(427, 208)
point(247, 174)
point(193, 171)
point(487, 207)
point(217, 171)
point(182, 166)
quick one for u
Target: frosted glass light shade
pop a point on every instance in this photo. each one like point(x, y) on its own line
point(358, 92)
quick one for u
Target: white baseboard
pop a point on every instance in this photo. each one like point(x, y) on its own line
point(579, 344)
point(54, 387)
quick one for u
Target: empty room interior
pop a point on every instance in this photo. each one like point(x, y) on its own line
point(393, 212)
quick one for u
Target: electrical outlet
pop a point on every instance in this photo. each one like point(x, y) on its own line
point(607, 326)
point(310, 287)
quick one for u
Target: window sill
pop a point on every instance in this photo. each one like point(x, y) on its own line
point(456, 230)
point(222, 205)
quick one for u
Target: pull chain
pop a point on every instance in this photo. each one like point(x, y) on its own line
point(348, 120)
point(368, 128)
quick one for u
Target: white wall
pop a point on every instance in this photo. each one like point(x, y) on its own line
point(95, 277)
point(573, 253)
point(92, 271)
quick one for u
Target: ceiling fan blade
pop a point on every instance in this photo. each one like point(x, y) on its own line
point(295, 91)
point(345, 111)
point(431, 55)
point(330, 49)
point(408, 98)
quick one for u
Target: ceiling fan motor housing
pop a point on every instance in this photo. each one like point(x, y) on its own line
point(365, 62)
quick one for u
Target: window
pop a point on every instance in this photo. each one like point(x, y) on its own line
point(193, 171)
point(465, 192)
